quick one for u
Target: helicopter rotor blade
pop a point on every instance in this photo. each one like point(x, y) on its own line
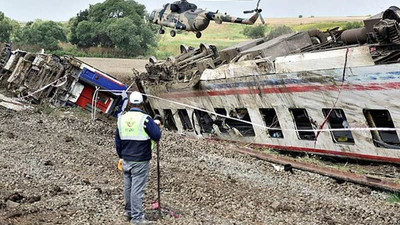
point(262, 19)
point(248, 11)
point(257, 9)
point(258, 4)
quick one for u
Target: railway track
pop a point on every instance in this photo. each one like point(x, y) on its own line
point(374, 180)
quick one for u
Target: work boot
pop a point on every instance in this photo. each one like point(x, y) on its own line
point(141, 222)
point(127, 217)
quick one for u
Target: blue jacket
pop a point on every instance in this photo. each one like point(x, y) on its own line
point(138, 151)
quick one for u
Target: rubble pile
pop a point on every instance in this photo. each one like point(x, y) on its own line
point(58, 168)
point(190, 64)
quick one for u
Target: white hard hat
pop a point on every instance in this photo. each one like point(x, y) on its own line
point(136, 98)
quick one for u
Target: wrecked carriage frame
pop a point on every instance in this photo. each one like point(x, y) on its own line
point(27, 75)
point(59, 80)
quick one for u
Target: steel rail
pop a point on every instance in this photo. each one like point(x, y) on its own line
point(369, 181)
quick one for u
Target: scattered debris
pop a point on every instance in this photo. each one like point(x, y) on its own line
point(15, 197)
point(11, 204)
point(185, 68)
point(278, 168)
point(10, 135)
point(14, 215)
point(48, 163)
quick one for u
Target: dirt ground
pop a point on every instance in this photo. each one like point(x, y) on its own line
point(57, 167)
point(119, 68)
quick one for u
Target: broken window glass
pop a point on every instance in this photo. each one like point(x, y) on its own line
point(337, 120)
point(303, 122)
point(169, 121)
point(184, 116)
point(382, 119)
point(102, 98)
point(243, 128)
point(220, 121)
point(205, 121)
point(271, 120)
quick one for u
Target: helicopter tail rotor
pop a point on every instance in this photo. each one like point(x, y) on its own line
point(256, 10)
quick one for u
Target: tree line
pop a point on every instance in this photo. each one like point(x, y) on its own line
point(114, 24)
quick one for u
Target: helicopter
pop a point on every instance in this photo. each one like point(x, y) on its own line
point(182, 15)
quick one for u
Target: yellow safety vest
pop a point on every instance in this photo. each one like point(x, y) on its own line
point(131, 126)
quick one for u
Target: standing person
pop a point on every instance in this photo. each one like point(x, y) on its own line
point(133, 141)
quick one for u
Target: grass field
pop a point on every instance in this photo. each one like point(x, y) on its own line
point(222, 36)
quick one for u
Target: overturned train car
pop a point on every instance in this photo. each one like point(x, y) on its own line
point(61, 80)
point(331, 93)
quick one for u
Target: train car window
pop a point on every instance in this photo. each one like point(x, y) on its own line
point(220, 121)
point(381, 119)
point(184, 116)
point(169, 121)
point(245, 129)
point(271, 120)
point(103, 98)
point(205, 121)
point(303, 122)
point(337, 120)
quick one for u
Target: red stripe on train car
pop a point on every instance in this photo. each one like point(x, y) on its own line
point(110, 79)
point(285, 89)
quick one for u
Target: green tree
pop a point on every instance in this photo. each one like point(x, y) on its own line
point(73, 25)
point(113, 24)
point(278, 31)
point(5, 28)
point(254, 32)
point(44, 34)
point(86, 34)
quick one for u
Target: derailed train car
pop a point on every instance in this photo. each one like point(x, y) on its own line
point(61, 80)
point(331, 93)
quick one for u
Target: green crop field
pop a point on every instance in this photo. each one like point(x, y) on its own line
point(222, 36)
point(318, 26)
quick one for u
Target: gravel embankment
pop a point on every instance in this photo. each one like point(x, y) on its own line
point(60, 169)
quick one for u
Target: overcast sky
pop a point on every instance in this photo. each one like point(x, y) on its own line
point(62, 10)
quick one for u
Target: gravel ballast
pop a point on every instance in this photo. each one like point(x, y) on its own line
point(57, 167)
